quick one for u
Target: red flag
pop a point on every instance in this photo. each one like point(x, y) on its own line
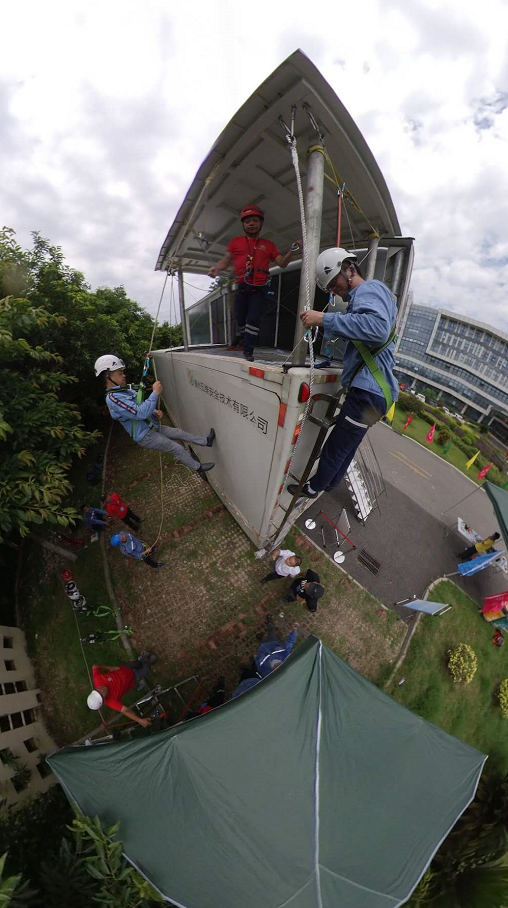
point(410, 419)
point(430, 434)
point(485, 470)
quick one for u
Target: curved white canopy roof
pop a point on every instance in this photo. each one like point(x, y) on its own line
point(250, 163)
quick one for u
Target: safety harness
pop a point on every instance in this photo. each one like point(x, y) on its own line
point(368, 360)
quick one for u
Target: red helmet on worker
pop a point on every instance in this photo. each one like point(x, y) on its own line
point(252, 211)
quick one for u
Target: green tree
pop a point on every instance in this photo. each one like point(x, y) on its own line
point(15, 892)
point(40, 434)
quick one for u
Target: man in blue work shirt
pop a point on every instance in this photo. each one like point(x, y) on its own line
point(137, 418)
point(370, 320)
point(95, 518)
point(133, 547)
point(271, 653)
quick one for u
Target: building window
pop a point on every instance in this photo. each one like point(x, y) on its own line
point(43, 769)
point(17, 720)
point(30, 744)
point(6, 755)
point(9, 688)
point(21, 779)
point(8, 643)
point(5, 725)
point(10, 665)
point(20, 686)
point(29, 716)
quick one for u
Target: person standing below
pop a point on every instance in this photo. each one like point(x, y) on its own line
point(115, 507)
point(94, 518)
point(137, 420)
point(111, 682)
point(133, 547)
point(307, 588)
point(287, 564)
point(251, 255)
point(271, 653)
point(479, 548)
point(369, 326)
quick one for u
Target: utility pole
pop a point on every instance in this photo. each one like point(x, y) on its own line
point(313, 212)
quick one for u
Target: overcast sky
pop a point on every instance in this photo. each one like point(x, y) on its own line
point(108, 108)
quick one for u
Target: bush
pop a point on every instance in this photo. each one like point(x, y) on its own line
point(406, 401)
point(503, 698)
point(462, 663)
point(444, 437)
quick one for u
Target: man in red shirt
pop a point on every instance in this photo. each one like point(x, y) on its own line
point(118, 508)
point(111, 682)
point(251, 255)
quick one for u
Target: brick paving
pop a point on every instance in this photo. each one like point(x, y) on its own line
point(200, 613)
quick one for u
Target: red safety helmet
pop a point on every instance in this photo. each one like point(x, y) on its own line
point(252, 211)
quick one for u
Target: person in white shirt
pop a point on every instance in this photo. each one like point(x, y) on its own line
point(287, 564)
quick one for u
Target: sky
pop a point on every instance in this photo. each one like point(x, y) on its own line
point(108, 108)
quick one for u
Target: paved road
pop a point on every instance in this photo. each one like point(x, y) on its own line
point(431, 482)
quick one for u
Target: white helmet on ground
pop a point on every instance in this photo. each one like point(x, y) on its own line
point(94, 700)
point(108, 362)
point(329, 264)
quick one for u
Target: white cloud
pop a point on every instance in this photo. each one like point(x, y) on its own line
point(107, 110)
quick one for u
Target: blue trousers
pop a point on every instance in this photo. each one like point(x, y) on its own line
point(359, 412)
point(249, 307)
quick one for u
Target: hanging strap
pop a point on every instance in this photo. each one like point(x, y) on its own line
point(368, 360)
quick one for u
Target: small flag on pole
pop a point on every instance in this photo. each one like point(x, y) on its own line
point(471, 462)
point(430, 434)
point(485, 470)
point(391, 413)
point(408, 421)
point(447, 447)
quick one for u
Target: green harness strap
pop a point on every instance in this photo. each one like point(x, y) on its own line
point(369, 361)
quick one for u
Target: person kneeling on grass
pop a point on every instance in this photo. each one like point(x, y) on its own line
point(307, 588)
point(133, 547)
point(111, 682)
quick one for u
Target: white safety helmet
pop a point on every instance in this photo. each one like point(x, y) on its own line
point(94, 700)
point(329, 264)
point(108, 362)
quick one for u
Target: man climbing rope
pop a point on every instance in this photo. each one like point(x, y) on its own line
point(369, 326)
point(133, 547)
point(111, 682)
point(251, 255)
point(136, 418)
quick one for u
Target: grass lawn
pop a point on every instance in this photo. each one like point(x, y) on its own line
point(418, 429)
point(469, 712)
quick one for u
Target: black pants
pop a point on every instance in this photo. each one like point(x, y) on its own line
point(468, 553)
point(131, 520)
point(273, 575)
point(271, 634)
point(249, 307)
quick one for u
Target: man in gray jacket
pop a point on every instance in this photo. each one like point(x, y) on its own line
point(369, 326)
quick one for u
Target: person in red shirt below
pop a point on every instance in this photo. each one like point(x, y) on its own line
point(111, 682)
point(251, 256)
point(115, 507)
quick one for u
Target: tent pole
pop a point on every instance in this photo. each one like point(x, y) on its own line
point(461, 500)
point(313, 211)
point(183, 318)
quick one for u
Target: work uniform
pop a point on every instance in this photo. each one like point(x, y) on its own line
point(94, 519)
point(271, 649)
point(137, 422)
point(252, 257)
point(134, 548)
point(370, 318)
point(120, 680)
point(117, 508)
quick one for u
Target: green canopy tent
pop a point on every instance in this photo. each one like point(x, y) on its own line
point(312, 790)
point(499, 500)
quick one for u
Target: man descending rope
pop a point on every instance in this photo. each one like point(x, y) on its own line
point(369, 326)
point(251, 255)
point(136, 417)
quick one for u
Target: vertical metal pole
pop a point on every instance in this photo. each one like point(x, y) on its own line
point(275, 343)
point(371, 258)
point(313, 211)
point(183, 317)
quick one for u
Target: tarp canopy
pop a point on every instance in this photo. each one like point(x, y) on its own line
point(499, 499)
point(312, 789)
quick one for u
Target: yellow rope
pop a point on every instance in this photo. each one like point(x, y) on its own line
point(347, 194)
